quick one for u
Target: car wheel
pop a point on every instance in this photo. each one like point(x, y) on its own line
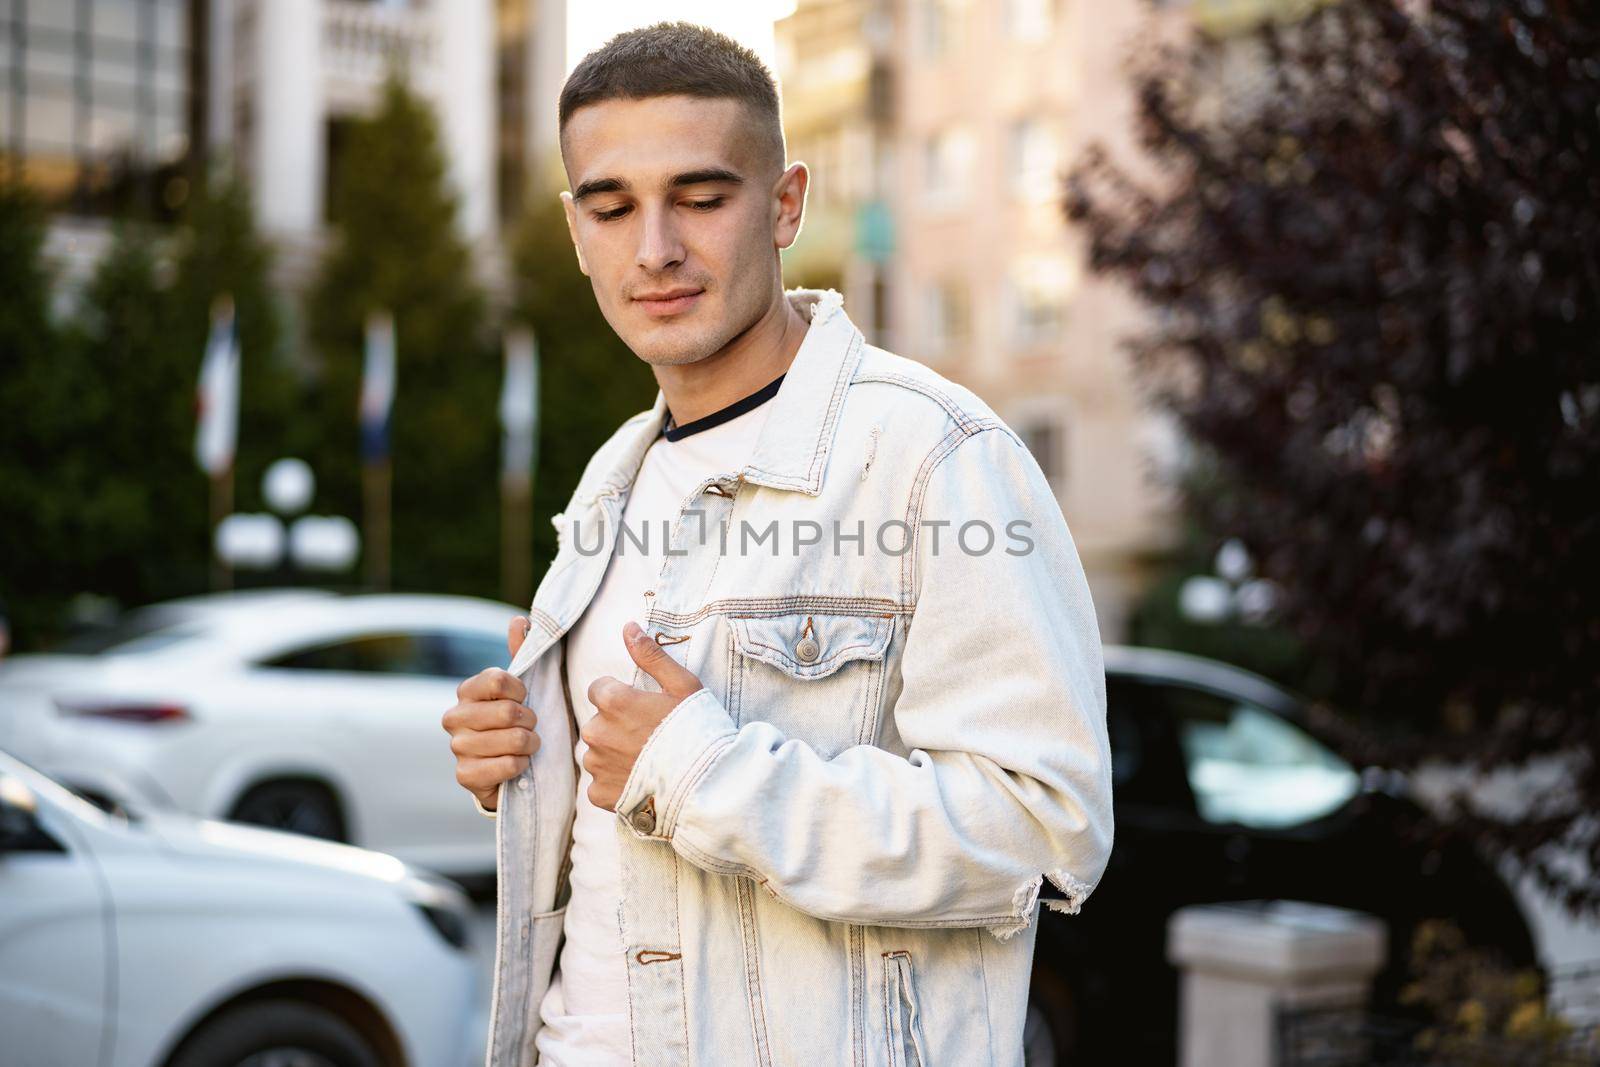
point(1038, 1043)
point(298, 807)
point(1050, 1028)
point(275, 1033)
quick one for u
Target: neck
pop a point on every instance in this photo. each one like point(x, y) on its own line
point(746, 363)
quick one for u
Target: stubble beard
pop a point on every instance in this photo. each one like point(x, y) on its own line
point(698, 348)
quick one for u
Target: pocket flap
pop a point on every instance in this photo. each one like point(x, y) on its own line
point(809, 645)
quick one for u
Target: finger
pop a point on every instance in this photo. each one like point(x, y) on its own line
point(605, 691)
point(492, 683)
point(481, 775)
point(518, 632)
point(672, 676)
point(478, 715)
point(602, 798)
point(513, 741)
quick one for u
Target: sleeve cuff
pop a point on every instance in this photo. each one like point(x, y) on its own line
point(677, 754)
point(481, 809)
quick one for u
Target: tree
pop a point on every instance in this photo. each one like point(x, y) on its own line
point(395, 247)
point(142, 500)
point(100, 488)
point(44, 450)
point(219, 250)
point(1376, 285)
point(590, 382)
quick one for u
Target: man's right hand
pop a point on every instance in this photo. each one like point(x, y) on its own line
point(491, 729)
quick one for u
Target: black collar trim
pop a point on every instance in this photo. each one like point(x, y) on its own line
point(673, 432)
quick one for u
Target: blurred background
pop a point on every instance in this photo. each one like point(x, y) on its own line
point(1296, 304)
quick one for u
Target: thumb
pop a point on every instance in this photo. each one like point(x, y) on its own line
point(672, 676)
point(518, 633)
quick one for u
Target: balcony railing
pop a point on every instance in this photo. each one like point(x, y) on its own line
point(361, 42)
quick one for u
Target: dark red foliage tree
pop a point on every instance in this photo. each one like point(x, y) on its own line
point(1375, 278)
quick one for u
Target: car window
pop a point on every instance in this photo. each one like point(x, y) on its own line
point(1249, 766)
point(143, 629)
point(1146, 768)
point(385, 653)
point(467, 652)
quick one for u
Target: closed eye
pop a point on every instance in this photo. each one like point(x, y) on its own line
point(698, 205)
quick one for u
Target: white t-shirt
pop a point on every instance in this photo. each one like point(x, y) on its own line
point(585, 1011)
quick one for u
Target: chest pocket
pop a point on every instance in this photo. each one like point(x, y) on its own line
point(817, 678)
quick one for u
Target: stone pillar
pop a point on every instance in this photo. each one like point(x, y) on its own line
point(288, 151)
point(1242, 962)
point(467, 110)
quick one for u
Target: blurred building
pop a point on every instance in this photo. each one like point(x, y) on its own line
point(110, 107)
point(97, 110)
point(938, 131)
point(290, 75)
point(833, 61)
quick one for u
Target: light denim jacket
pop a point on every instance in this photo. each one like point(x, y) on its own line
point(832, 853)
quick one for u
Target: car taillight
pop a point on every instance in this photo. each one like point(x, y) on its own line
point(141, 711)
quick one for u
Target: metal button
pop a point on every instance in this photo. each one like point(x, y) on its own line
point(524, 782)
point(644, 816)
point(806, 649)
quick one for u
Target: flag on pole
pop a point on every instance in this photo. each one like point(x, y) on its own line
point(519, 402)
point(217, 399)
point(377, 387)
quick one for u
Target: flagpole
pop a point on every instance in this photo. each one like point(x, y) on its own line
point(519, 408)
point(217, 426)
point(516, 531)
point(376, 479)
point(221, 508)
point(377, 400)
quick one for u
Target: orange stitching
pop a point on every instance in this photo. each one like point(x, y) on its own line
point(656, 956)
point(808, 626)
point(668, 639)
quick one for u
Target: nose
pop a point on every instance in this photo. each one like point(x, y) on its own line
point(659, 247)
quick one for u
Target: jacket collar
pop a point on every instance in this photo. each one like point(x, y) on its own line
point(792, 449)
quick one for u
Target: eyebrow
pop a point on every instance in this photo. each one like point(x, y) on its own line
point(595, 186)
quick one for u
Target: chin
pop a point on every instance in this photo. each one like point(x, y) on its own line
point(661, 353)
point(672, 344)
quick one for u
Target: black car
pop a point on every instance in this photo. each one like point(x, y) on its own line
point(1223, 792)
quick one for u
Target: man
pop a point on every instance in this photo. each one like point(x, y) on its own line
point(802, 737)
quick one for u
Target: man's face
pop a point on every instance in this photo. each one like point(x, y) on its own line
point(677, 209)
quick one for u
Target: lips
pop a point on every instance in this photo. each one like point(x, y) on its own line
point(668, 294)
point(668, 301)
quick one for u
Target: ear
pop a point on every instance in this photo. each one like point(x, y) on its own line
point(571, 207)
point(790, 197)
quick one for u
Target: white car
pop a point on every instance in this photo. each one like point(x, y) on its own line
point(167, 941)
point(303, 710)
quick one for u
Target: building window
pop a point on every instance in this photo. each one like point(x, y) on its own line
point(1039, 316)
point(337, 131)
point(947, 166)
point(934, 26)
point(949, 318)
point(96, 101)
point(1044, 438)
point(1039, 289)
point(1034, 159)
point(512, 44)
point(1029, 20)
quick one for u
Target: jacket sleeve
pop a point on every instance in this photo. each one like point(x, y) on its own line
point(1002, 707)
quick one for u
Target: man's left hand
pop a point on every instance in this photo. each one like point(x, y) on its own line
point(625, 717)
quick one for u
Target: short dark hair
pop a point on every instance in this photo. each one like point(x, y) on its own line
point(676, 58)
